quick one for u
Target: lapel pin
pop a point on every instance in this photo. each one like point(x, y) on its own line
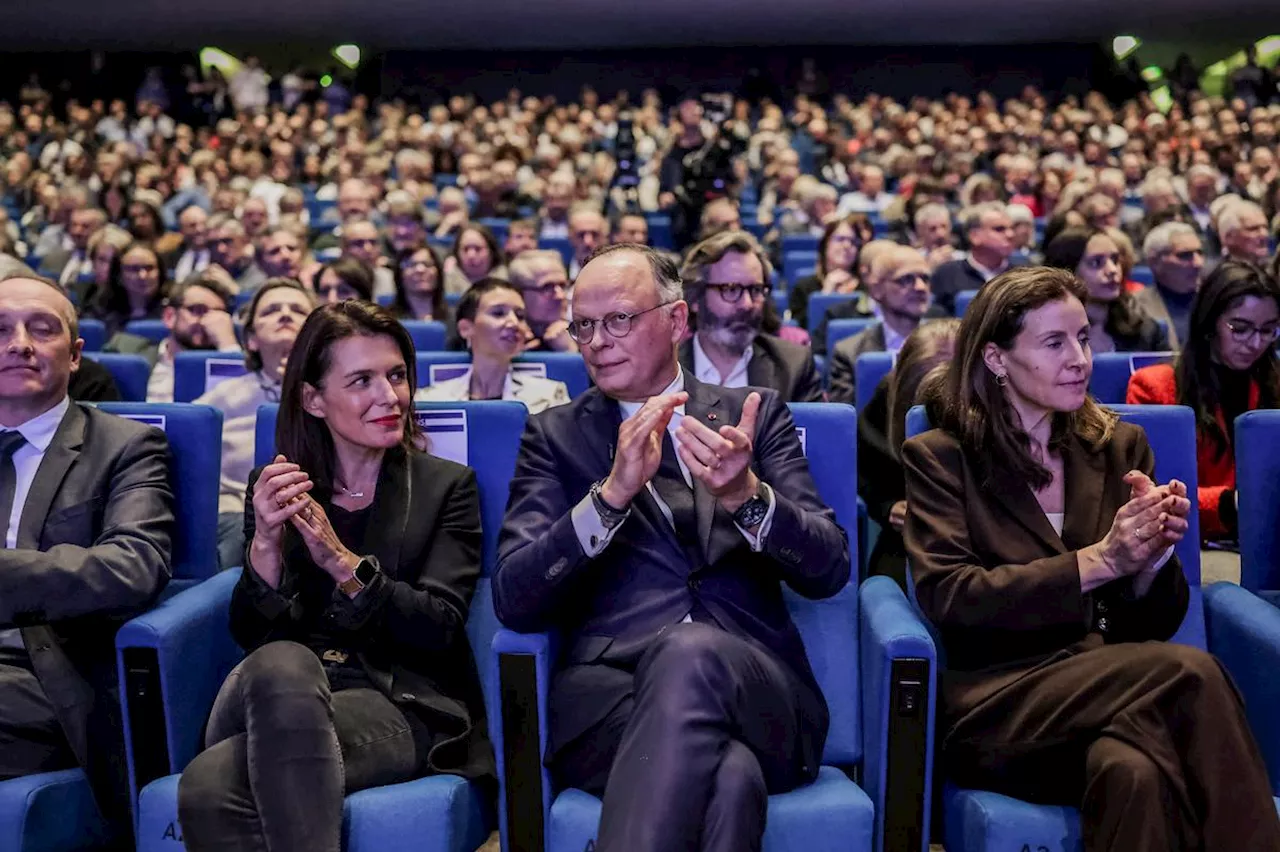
point(711, 415)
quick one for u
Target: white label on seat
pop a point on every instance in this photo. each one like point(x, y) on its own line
point(448, 372)
point(446, 431)
point(804, 442)
point(156, 420)
point(218, 370)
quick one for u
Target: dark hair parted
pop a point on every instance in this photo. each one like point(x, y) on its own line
point(1065, 251)
point(974, 408)
point(496, 256)
point(469, 305)
point(113, 300)
point(400, 307)
point(863, 233)
point(1197, 381)
point(303, 439)
point(353, 272)
point(930, 345)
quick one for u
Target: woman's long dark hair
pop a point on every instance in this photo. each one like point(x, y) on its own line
point(114, 301)
point(400, 307)
point(304, 439)
point(863, 233)
point(1065, 251)
point(353, 272)
point(1197, 381)
point(496, 257)
point(973, 406)
point(929, 346)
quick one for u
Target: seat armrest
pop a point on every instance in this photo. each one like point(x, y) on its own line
point(518, 729)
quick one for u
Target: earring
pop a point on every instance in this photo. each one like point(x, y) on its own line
point(1002, 379)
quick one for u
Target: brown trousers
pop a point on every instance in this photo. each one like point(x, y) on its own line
point(1149, 739)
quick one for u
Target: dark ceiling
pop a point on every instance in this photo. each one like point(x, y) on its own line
point(538, 24)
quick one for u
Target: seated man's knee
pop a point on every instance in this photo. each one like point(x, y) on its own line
point(282, 668)
point(1198, 669)
point(683, 650)
point(740, 778)
point(1124, 771)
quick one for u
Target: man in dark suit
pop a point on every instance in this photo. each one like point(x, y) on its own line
point(67, 264)
point(899, 283)
point(989, 232)
point(727, 277)
point(87, 509)
point(683, 694)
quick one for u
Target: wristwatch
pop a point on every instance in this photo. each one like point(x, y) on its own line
point(752, 513)
point(365, 571)
point(609, 516)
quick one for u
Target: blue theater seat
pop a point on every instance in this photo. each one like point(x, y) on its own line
point(152, 329)
point(819, 304)
point(1257, 448)
point(567, 367)
point(195, 372)
point(50, 812)
point(839, 329)
point(560, 244)
point(853, 640)
point(428, 335)
point(963, 298)
point(1228, 621)
point(660, 234)
point(1112, 370)
point(94, 334)
point(192, 651)
point(868, 370)
point(130, 373)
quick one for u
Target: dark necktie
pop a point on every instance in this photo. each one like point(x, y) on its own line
point(10, 443)
point(676, 493)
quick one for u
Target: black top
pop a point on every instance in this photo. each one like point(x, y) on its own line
point(335, 647)
point(881, 483)
point(1233, 394)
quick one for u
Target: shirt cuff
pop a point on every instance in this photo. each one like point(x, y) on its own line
point(592, 534)
point(757, 540)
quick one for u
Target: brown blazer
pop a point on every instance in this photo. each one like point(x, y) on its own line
point(1001, 587)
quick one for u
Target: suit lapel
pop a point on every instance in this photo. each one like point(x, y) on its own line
point(599, 428)
point(389, 520)
point(1019, 501)
point(63, 451)
point(761, 370)
point(1084, 475)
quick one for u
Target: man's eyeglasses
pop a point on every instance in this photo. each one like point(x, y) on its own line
point(549, 288)
point(617, 324)
point(732, 292)
point(1188, 255)
point(198, 312)
point(417, 264)
point(910, 279)
point(1243, 332)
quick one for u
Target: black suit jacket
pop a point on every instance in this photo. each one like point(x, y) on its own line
point(844, 380)
point(1002, 588)
point(410, 623)
point(881, 484)
point(93, 550)
point(781, 365)
point(608, 609)
point(93, 383)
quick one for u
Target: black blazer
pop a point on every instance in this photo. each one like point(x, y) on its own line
point(843, 376)
point(1002, 588)
point(881, 484)
point(410, 623)
point(609, 608)
point(93, 550)
point(786, 367)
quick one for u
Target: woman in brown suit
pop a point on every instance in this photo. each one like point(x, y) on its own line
point(1042, 552)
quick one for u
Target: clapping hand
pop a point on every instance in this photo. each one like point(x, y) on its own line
point(1154, 518)
point(639, 452)
point(327, 551)
point(721, 460)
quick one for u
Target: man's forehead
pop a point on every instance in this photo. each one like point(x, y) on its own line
point(618, 275)
point(24, 296)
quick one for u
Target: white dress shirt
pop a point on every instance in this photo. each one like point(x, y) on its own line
point(892, 340)
point(708, 373)
point(39, 432)
point(987, 274)
point(78, 264)
point(594, 536)
point(191, 262)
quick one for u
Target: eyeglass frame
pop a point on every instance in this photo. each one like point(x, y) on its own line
point(737, 288)
point(604, 320)
point(1240, 336)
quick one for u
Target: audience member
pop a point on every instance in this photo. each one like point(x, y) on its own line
point(989, 232)
point(881, 431)
point(281, 253)
point(136, 289)
point(229, 249)
point(193, 254)
point(647, 650)
point(68, 584)
point(1116, 322)
point(362, 556)
point(69, 265)
point(836, 272)
point(271, 324)
point(360, 241)
point(1042, 552)
point(631, 228)
point(931, 233)
point(588, 231)
point(1226, 367)
point(491, 322)
point(726, 280)
point(475, 255)
point(197, 313)
point(1242, 228)
point(544, 283)
point(348, 277)
point(522, 236)
point(419, 287)
point(899, 283)
point(1175, 255)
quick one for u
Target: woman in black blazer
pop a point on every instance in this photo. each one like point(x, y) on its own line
point(881, 429)
point(1043, 554)
point(362, 559)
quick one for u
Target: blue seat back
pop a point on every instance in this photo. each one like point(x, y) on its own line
point(963, 298)
point(195, 373)
point(819, 304)
point(1143, 275)
point(840, 329)
point(428, 335)
point(1112, 370)
point(1257, 448)
point(868, 370)
point(130, 372)
point(152, 329)
point(560, 244)
point(1172, 435)
point(798, 264)
point(94, 334)
point(498, 227)
point(800, 242)
point(195, 436)
point(660, 233)
point(829, 627)
point(567, 367)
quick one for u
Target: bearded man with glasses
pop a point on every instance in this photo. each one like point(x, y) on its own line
point(652, 522)
point(728, 285)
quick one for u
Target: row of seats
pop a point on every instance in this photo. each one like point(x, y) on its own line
point(862, 643)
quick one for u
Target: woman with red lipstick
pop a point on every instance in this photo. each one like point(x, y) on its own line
point(1042, 551)
point(491, 320)
point(363, 554)
point(1116, 322)
point(1226, 367)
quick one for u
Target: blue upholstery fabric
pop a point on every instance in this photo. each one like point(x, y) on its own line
point(839, 329)
point(963, 298)
point(130, 372)
point(832, 813)
point(94, 334)
point(441, 814)
point(868, 370)
point(195, 436)
point(1258, 487)
point(560, 244)
point(152, 329)
point(191, 371)
point(1111, 371)
point(820, 303)
point(428, 335)
point(980, 820)
point(49, 812)
point(567, 367)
